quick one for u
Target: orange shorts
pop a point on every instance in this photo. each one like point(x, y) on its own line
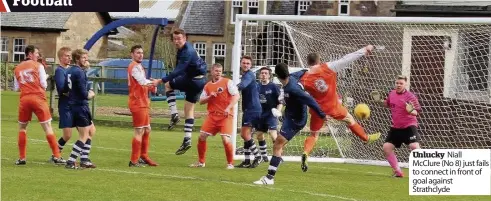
point(218, 124)
point(141, 117)
point(338, 112)
point(36, 104)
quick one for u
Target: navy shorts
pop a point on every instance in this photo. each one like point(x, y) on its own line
point(250, 119)
point(267, 123)
point(66, 120)
point(289, 128)
point(191, 86)
point(81, 116)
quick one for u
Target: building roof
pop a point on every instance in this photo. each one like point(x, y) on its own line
point(153, 9)
point(207, 17)
point(204, 18)
point(46, 21)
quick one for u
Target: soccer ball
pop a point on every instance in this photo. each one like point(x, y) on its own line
point(362, 111)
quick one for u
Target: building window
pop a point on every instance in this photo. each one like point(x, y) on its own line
point(19, 48)
point(252, 8)
point(236, 9)
point(4, 50)
point(219, 52)
point(303, 6)
point(343, 8)
point(200, 48)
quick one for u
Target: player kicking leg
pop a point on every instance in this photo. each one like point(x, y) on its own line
point(78, 96)
point(30, 78)
point(189, 77)
point(296, 101)
point(404, 107)
point(139, 105)
point(221, 95)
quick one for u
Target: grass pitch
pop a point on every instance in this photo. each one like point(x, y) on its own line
point(173, 179)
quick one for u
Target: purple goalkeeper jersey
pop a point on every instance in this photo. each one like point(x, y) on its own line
point(397, 103)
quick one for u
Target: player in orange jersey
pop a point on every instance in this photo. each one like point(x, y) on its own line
point(30, 79)
point(139, 104)
point(221, 95)
point(320, 81)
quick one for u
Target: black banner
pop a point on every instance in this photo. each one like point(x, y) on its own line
point(70, 6)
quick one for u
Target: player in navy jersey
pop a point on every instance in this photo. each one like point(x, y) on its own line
point(271, 98)
point(189, 77)
point(251, 112)
point(78, 96)
point(295, 118)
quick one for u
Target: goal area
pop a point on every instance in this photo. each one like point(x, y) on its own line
point(447, 61)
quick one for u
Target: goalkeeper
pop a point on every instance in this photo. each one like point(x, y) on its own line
point(320, 82)
point(404, 108)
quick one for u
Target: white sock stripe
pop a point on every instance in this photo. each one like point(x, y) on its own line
point(190, 125)
point(73, 153)
point(188, 130)
point(84, 157)
point(272, 168)
point(172, 104)
point(77, 148)
point(263, 147)
point(88, 146)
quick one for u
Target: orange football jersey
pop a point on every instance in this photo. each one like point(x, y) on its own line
point(138, 94)
point(28, 78)
point(321, 83)
point(223, 98)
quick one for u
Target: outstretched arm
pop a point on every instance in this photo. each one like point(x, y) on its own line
point(342, 63)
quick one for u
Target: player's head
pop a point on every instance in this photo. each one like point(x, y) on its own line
point(137, 53)
point(401, 83)
point(179, 38)
point(81, 57)
point(65, 56)
point(265, 74)
point(32, 52)
point(281, 71)
point(216, 71)
point(42, 60)
point(245, 63)
point(313, 59)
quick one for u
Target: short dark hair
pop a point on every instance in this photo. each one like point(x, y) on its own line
point(265, 68)
point(246, 57)
point(312, 59)
point(30, 49)
point(178, 31)
point(281, 71)
point(402, 77)
point(136, 47)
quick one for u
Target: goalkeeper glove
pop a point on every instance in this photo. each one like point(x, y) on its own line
point(409, 107)
point(277, 114)
point(376, 96)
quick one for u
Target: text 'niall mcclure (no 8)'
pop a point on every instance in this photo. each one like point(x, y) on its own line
point(450, 172)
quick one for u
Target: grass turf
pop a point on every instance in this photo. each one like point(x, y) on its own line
point(173, 179)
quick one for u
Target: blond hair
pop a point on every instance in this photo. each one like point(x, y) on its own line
point(77, 54)
point(63, 50)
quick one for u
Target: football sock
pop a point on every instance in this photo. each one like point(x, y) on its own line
point(273, 167)
point(22, 143)
point(253, 148)
point(135, 150)
point(392, 159)
point(188, 128)
point(86, 150)
point(358, 131)
point(53, 145)
point(247, 152)
point(171, 100)
point(263, 148)
point(201, 150)
point(145, 145)
point(61, 144)
point(228, 152)
point(309, 144)
point(76, 150)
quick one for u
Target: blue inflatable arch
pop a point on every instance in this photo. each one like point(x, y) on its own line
point(158, 22)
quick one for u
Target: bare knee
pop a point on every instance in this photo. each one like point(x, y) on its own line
point(414, 145)
point(138, 133)
point(226, 139)
point(189, 110)
point(314, 134)
point(349, 119)
point(245, 133)
point(147, 130)
point(23, 127)
point(388, 147)
point(203, 136)
point(260, 136)
point(167, 87)
point(47, 128)
point(67, 133)
point(92, 130)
